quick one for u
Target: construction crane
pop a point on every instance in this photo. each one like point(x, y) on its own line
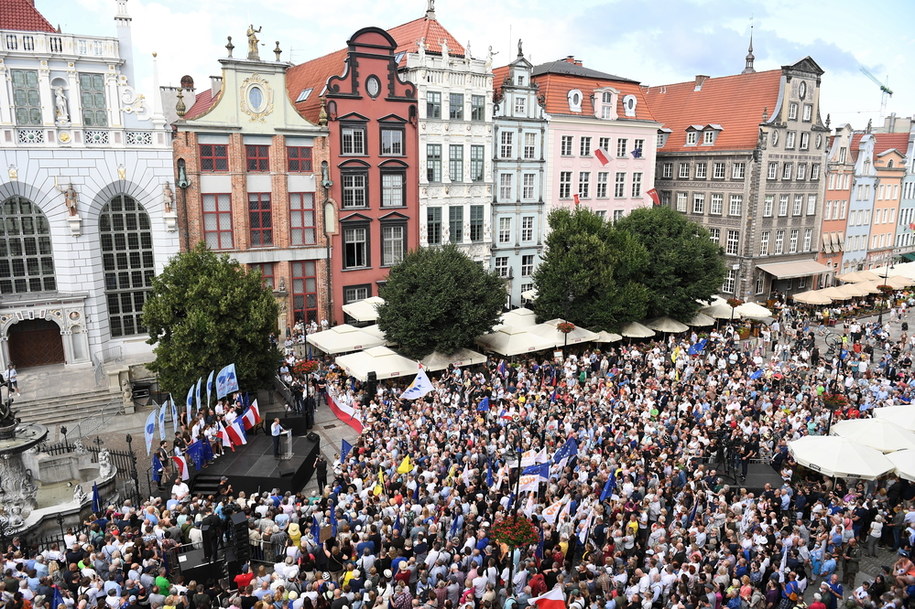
point(885, 91)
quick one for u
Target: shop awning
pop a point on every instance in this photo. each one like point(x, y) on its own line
point(909, 256)
point(790, 270)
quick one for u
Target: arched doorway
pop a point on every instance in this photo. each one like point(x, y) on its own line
point(35, 342)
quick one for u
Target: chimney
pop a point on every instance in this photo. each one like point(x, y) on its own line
point(700, 78)
point(571, 59)
point(215, 84)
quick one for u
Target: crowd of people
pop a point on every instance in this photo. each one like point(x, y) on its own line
point(639, 453)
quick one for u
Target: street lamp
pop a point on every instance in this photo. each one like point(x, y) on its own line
point(516, 425)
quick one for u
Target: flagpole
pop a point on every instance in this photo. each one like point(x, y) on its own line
point(511, 554)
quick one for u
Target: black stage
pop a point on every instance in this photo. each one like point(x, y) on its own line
point(252, 467)
point(758, 475)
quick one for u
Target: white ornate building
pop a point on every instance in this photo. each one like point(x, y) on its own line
point(87, 214)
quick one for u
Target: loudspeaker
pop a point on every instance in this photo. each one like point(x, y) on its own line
point(240, 542)
point(286, 468)
point(371, 377)
point(314, 437)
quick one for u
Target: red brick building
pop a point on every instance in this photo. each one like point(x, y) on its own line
point(249, 169)
point(371, 115)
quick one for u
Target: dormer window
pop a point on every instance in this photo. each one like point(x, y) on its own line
point(606, 109)
point(708, 137)
point(575, 100)
point(629, 104)
point(692, 137)
point(662, 139)
point(520, 80)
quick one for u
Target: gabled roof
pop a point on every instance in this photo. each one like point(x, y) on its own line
point(555, 90)
point(737, 103)
point(569, 67)
point(883, 142)
point(498, 77)
point(432, 33)
point(21, 15)
point(202, 103)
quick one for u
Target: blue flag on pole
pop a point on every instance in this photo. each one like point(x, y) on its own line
point(149, 430)
point(345, 447)
point(333, 519)
point(566, 451)
point(757, 374)
point(699, 347)
point(542, 470)
point(210, 386)
point(609, 487)
point(315, 528)
point(57, 598)
point(189, 404)
point(398, 526)
point(174, 407)
point(226, 381)
point(96, 499)
point(156, 468)
point(483, 406)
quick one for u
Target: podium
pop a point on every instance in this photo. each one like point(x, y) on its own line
point(287, 453)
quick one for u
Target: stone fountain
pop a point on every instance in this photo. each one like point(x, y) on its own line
point(18, 491)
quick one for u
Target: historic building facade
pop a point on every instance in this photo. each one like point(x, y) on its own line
point(744, 156)
point(840, 171)
point(905, 229)
point(889, 165)
point(249, 179)
point(87, 199)
point(372, 207)
point(518, 211)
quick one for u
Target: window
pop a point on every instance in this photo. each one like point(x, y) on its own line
point(356, 292)
point(477, 108)
point(714, 235)
point(433, 104)
point(217, 221)
point(662, 139)
point(456, 162)
point(716, 204)
point(456, 224)
point(353, 140)
point(683, 171)
point(617, 215)
point(505, 187)
point(603, 178)
point(476, 163)
point(476, 223)
point(354, 190)
point(584, 184)
point(585, 147)
point(732, 245)
point(786, 171)
point(520, 105)
point(267, 272)
point(667, 170)
point(456, 106)
point(708, 137)
point(565, 184)
point(92, 98)
point(527, 186)
point(393, 191)
point(798, 205)
point(779, 241)
point(802, 171)
point(768, 204)
point(701, 171)
point(565, 145)
point(805, 141)
point(783, 205)
point(530, 145)
point(692, 138)
point(604, 144)
point(792, 242)
point(738, 171)
point(393, 244)
point(808, 239)
point(621, 145)
point(698, 203)
point(730, 280)
point(257, 157)
point(718, 171)
point(792, 111)
point(26, 97)
point(527, 228)
point(392, 142)
point(127, 258)
point(808, 113)
point(527, 265)
point(302, 218)
point(640, 146)
point(789, 140)
point(299, 159)
point(434, 162)
point(764, 243)
point(260, 219)
point(772, 173)
point(434, 225)
point(214, 157)
point(501, 265)
point(505, 230)
point(27, 263)
point(506, 139)
point(619, 184)
point(736, 205)
point(811, 205)
point(304, 278)
point(637, 184)
point(355, 247)
point(606, 109)
point(681, 202)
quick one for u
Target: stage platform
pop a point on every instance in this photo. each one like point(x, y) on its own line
point(758, 475)
point(252, 467)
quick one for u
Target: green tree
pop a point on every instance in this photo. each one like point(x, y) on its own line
point(590, 272)
point(205, 311)
point(438, 299)
point(683, 265)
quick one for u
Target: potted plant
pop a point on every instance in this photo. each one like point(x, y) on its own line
point(304, 367)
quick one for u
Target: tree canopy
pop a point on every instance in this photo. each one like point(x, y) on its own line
point(205, 311)
point(438, 299)
point(601, 275)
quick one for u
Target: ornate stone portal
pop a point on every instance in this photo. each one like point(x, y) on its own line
point(18, 492)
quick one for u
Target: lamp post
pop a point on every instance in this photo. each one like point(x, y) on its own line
point(133, 465)
point(516, 420)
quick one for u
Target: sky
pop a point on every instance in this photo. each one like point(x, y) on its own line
point(655, 42)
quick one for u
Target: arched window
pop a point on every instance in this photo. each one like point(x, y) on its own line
point(127, 256)
point(26, 261)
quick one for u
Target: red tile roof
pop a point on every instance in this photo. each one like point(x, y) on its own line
point(737, 103)
point(203, 102)
point(882, 142)
point(22, 15)
point(498, 77)
point(408, 34)
point(555, 90)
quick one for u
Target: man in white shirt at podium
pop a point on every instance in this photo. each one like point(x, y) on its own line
point(276, 430)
